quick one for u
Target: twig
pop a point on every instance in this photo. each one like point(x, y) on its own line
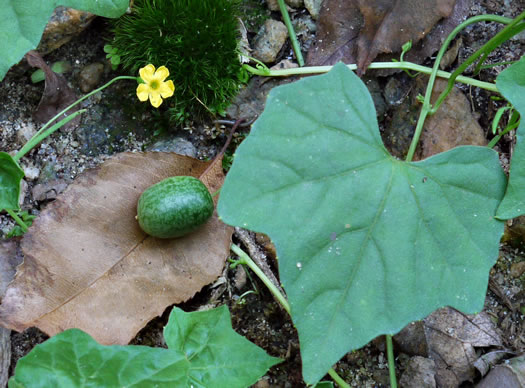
point(257, 255)
point(224, 147)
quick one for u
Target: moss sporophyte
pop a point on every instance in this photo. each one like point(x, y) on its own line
point(155, 87)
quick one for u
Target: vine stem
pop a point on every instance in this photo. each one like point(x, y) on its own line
point(293, 38)
point(391, 361)
point(427, 108)
point(374, 65)
point(245, 259)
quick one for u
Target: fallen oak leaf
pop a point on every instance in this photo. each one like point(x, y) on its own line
point(88, 265)
point(57, 94)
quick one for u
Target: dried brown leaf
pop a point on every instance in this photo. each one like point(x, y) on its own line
point(337, 31)
point(509, 374)
point(451, 338)
point(390, 24)
point(382, 27)
point(87, 264)
point(57, 94)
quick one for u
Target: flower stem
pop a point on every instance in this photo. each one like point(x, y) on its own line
point(37, 137)
point(246, 260)
point(41, 135)
point(293, 38)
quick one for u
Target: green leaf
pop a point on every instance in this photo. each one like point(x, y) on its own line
point(10, 177)
point(74, 359)
point(115, 59)
point(366, 243)
point(200, 354)
point(23, 23)
point(219, 356)
point(511, 84)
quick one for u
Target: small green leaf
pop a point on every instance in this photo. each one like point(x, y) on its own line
point(115, 60)
point(219, 356)
point(366, 243)
point(511, 84)
point(203, 352)
point(10, 177)
point(58, 67)
point(38, 76)
point(24, 21)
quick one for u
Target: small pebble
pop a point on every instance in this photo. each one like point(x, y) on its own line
point(90, 76)
point(517, 269)
point(269, 40)
point(313, 6)
point(272, 5)
point(31, 173)
point(25, 132)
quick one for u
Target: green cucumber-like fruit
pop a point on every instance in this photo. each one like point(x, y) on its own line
point(174, 207)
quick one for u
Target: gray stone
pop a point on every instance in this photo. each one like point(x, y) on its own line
point(313, 6)
point(178, 145)
point(273, 5)
point(269, 40)
point(25, 132)
point(90, 76)
point(31, 173)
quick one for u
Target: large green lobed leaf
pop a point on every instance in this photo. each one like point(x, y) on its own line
point(511, 84)
point(206, 353)
point(219, 357)
point(366, 243)
point(10, 177)
point(23, 22)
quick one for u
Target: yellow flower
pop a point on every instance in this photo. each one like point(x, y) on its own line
point(154, 86)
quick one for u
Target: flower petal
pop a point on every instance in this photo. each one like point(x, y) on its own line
point(155, 99)
point(162, 73)
point(166, 89)
point(143, 91)
point(147, 72)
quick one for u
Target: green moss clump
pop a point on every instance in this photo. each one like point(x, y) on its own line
point(196, 40)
